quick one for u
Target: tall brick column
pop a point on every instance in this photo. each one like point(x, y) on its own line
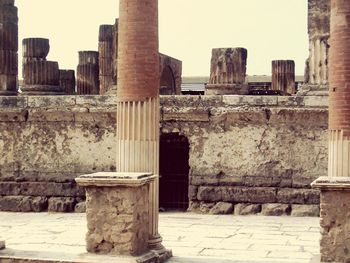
point(335, 188)
point(339, 94)
point(138, 99)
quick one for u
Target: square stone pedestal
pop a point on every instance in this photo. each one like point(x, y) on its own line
point(335, 218)
point(117, 211)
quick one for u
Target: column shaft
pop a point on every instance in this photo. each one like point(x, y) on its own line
point(339, 94)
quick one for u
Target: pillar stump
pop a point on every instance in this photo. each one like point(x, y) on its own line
point(335, 218)
point(67, 81)
point(2, 244)
point(88, 73)
point(117, 211)
point(106, 61)
point(8, 48)
point(228, 72)
point(283, 76)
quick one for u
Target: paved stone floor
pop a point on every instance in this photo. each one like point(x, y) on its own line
point(193, 238)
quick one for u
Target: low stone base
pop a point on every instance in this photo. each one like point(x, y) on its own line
point(2, 244)
point(226, 89)
point(12, 256)
point(39, 90)
point(335, 218)
point(313, 90)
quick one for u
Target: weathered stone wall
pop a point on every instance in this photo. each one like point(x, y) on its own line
point(244, 150)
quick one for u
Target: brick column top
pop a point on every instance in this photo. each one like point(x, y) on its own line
point(339, 110)
point(138, 51)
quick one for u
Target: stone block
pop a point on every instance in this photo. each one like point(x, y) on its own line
point(61, 204)
point(297, 196)
point(13, 102)
point(23, 203)
point(205, 207)
point(185, 114)
point(275, 209)
point(237, 194)
point(305, 210)
point(94, 100)
point(193, 206)
point(247, 209)
point(222, 208)
point(50, 101)
point(192, 192)
point(80, 207)
point(234, 100)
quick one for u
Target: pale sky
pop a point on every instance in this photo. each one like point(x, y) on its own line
point(188, 29)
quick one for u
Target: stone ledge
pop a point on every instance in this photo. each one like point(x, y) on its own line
point(112, 179)
point(18, 256)
point(332, 183)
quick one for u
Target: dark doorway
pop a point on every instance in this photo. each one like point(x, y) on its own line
point(174, 172)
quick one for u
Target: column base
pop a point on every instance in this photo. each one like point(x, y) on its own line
point(335, 218)
point(2, 244)
point(155, 244)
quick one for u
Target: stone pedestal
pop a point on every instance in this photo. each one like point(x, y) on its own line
point(117, 211)
point(335, 218)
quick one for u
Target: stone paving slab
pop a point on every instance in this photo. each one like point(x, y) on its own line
point(193, 238)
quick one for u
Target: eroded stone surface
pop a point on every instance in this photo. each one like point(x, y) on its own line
point(61, 204)
point(117, 220)
point(335, 225)
point(247, 209)
point(222, 208)
point(305, 210)
point(275, 209)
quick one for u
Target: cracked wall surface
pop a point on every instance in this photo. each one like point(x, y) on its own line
point(244, 150)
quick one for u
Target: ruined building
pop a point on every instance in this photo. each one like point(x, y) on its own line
point(252, 154)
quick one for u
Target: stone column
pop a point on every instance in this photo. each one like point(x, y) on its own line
point(228, 72)
point(88, 73)
point(106, 61)
point(335, 189)
point(339, 94)
point(113, 89)
point(8, 48)
point(138, 99)
point(283, 76)
point(67, 81)
point(40, 77)
point(318, 29)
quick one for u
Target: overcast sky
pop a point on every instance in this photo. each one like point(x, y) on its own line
point(189, 29)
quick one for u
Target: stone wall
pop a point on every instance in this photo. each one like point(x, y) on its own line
point(256, 153)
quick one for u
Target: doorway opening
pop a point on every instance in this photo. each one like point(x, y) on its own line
point(174, 172)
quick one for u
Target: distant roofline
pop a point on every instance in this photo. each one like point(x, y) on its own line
point(250, 78)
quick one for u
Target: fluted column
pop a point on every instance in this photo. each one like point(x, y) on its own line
point(87, 73)
point(8, 48)
point(105, 50)
point(339, 94)
point(67, 81)
point(283, 76)
point(138, 98)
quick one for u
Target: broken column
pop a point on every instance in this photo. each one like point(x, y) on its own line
point(106, 61)
point(283, 76)
point(67, 81)
point(2, 244)
point(335, 189)
point(40, 77)
point(228, 72)
point(8, 48)
point(88, 73)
